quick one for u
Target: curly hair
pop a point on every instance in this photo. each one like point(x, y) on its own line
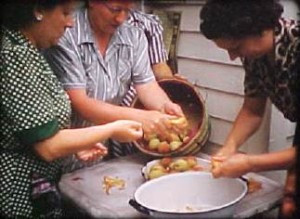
point(20, 13)
point(236, 19)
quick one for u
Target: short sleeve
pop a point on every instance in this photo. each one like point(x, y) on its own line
point(25, 96)
point(153, 29)
point(154, 33)
point(141, 69)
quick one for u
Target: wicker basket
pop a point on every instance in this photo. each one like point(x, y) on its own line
point(185, 94)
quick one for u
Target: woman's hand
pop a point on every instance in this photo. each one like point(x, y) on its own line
point(226, 151)
point(233, 166)
point(126, 130)
point(95, 152)
point(156, 122)
point(172, 109)
point(161, 124)
point(288, 206)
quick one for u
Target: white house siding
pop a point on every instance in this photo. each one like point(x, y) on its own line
point(221, 84)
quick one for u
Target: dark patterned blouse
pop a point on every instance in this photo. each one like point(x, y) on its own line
point(278, 80)
point(33, 107)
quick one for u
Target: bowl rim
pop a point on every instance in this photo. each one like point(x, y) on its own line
point(210, 210)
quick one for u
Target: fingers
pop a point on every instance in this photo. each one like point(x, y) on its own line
point(127, 131)
point(180, 77)
point(100, 149)
point(226, 150)
point(216, 163)
point(162, 128)
point(97, 151)
point(175, 110)
point(83, 155)
point(218, 158)
point(171, 108)
point(216, 172)
point(137, 133)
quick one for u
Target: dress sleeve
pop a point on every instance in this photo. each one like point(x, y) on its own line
point(25, 97)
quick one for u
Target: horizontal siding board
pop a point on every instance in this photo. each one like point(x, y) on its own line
point(222, 105)
point(258, 143)
point(219, 130)
point(281, 131)
point(190, 19)
point(195, 45)
point(218, 76)
point(290, 128)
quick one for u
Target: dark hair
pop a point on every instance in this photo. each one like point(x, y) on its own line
point(236, 19)
point(16, 14)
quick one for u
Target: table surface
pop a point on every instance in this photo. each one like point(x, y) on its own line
point(84, 188)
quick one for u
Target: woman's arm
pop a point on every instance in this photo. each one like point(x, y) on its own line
point(100, 112)
point(69, 141)
point(245, 125)
point(240, 164)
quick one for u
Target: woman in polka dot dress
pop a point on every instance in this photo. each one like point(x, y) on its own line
point(35, 112)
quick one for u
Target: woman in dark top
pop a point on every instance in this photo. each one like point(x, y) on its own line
point(269, 48)
point(35, 111)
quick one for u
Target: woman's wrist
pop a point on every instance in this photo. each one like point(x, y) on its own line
point(231, 146)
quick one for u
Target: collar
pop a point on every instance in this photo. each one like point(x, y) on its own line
point(17, 37)
point(87, 32)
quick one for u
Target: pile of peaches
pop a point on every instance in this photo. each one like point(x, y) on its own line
point(171, 142)
point(169, 165)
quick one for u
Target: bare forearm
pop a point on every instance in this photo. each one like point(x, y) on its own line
point(243, 128)
point(247, 121)
point(273, 161)
point(152, 96)
point(70, 141)
point(161, 71)
point(239, 164)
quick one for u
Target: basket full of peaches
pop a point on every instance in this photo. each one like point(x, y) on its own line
point(190, 132)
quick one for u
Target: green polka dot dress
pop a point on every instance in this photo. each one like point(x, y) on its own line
point(33, 107)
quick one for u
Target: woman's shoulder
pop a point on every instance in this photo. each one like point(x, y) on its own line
point(18, 54)
point(17, 50)
point(288, 27)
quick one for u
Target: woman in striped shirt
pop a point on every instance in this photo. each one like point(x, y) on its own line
point(99, 58)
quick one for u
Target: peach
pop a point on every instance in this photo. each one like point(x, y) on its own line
point(174, 145)
point(165, 162)
point(153, 143)
point(164, 147)
point(192, 161)
point(179, 165)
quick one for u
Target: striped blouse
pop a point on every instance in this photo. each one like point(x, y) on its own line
point(78, 63)
point(151, 25)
